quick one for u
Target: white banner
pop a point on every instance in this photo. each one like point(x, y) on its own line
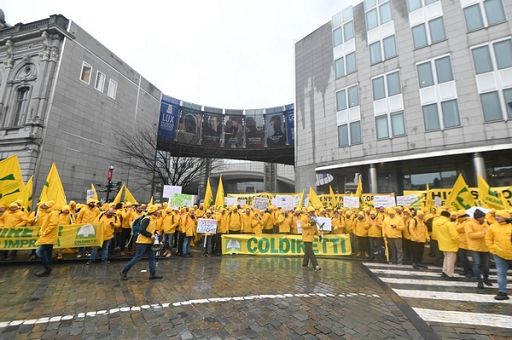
point(171, 190)
point(260, 203)
point(242, 202)
point(406, 201)
point(230, 201)
point(384, 201)
point(324, 223)
point(206, 226)
point(90, 194)
point(287, 202)
point(350, 202)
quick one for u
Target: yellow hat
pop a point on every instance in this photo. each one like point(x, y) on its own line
point(311, 209)
point(65, 208)
point(13, 205)
point(71, 203)
point(91, 200)
point(503, 213)
point(49, 204)
point(128, 204)
point(151, 209)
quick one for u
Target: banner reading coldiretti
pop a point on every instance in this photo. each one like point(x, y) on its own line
point(290, 245)
point(70, 236)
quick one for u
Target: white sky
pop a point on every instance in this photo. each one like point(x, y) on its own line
point(221, 53)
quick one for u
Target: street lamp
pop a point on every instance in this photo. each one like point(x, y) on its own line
point(110, 172)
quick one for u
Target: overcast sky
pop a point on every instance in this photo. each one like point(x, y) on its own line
point(221, 53)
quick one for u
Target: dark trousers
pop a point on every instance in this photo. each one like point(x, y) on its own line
point(407, 248)
point(45, 252)
point(181, 237)
point(267, 231)
point(140, 250)
point(124, 238)
point(395, 250)
point(309, 255)
point(362, 242)
point(217, 244)
point(480, 265)
point(438, 256)
point(376, 248)
point(462, 256)
point(417, 249)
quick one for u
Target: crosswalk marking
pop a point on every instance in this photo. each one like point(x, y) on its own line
point(409, 281)
point(418, 273)
point(467, 297)
point(390, 265)
point(480, 319)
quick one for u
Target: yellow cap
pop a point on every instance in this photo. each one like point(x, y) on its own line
point(151, 209)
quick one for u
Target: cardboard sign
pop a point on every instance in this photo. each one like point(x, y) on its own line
point(260, 203)
point(230, 201)
point(286, 202)
point(171, 190)
point(242, 202)
point(406, 201)
point(324, 223)
point(206, 226)
point(90, 194)
point(350, 202)
point(182, 200)
point(384, 201)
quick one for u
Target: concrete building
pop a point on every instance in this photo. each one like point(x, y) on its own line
point(63, 97)
point(406, 93)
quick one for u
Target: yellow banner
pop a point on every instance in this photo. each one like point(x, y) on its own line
point(443, 194)
point(287, 245)
point(70, 236)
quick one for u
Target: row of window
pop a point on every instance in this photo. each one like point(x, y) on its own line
point(99, 83)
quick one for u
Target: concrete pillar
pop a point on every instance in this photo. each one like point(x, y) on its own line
point(479, 166)
point(204, 174)
point(270, 177)
point(372, 175)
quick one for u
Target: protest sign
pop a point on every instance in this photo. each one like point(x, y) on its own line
point(324, 223)
point(182, 200)
point(206, 226)
point(383, 201)
point(260, 203)
point(171, 190)
point(406, 201)
point(351, 202)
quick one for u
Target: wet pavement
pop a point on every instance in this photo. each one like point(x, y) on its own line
point(230, 297)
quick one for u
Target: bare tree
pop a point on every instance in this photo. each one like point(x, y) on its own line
point(138, 150)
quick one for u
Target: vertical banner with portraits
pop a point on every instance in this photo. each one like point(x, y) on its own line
point(169, 115)
point(254, 130)
point(275, 129)
point(189, 127)
point(290, 124)
point(234, 131)
point(212, 129)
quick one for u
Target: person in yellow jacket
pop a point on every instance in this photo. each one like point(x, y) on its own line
point(337, 222)
point(87, 214)
point(209, 238)
point(268, 222)
point(48, 234)
point(393, 226)
point(109, 223)
point(361, 231)
point(222, 228)
point(418, 236)
point(257, 223)
point(65, 218)
point(125, 216)
point(285, 227)
point(234, 221)
point(375, 236)
point(309, 230)
point(499, 241)
point(463, 252)
point(190, 231)
point(406, 236)
point(448, 239)
point(246, 218)
point(14, 217)
point(279, 218)
point(475, 230)
point(169, 224)
point(145, 239)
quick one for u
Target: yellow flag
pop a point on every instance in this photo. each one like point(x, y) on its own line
point(150, 201)
point(314, 201)
point(26, 195)
point(94, 193)
point(334, 200)
point(460, 196)
point(359, 191)
point(300, 203)
point(504, 201)
point(429, 204)
point(119, 196)
point(219, 198)
point(128, 196)
point(11, 181)
point(53, 189)
point(488, 197)
point(208, 195)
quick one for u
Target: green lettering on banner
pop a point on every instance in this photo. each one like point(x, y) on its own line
point(334, 242)
point(12, 243)
point(14, 232)
point(27, 232)
point(315, 247)
point(273, 249)
point(324, 246)
point(343, 246)
point(252, 245)
point(284, 245)
point(263, 245)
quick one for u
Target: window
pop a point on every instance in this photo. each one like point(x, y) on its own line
point(348, 31)
point(507, 94)
point(386, 85)
point(389, 47)
point(100, 81)
point(431, 117)
point(341, 100)
point(417, 4)
point(443, 70)
point(483, 14)
point(337, 37)
point(112, 88)
point(377, 13)
point(491, 106)
point(375, 53)
point(450, 113)
point(85, 74)
point(381, 123)
point(380, 51)
point(429, 33)
point(425, 74)
point(353, 96)
point(397, 124)
point(343, 135)
point(21, 106)
point(488, 59)
point(351, 63)
point(482, 59)
point(339, 67)
point(355, 133)
point(344, 27)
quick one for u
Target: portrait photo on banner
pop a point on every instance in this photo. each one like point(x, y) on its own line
point(188, 131)
point(254, 129)
point(275, 129)
point(233, 131)
point(212, 129)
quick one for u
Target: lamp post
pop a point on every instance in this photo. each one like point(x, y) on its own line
point(110, 172)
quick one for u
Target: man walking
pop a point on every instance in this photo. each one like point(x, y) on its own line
point(47, 236)
point(309, 231)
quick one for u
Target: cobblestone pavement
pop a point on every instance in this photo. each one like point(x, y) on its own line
point(453, 309)
point(221, 298)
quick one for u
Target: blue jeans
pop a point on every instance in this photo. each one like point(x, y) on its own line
point(480, 261)
point(104, 251)
point(44, 252)
point(139, 253)
point(208, 248)
point(502, 266)
point(186, 245)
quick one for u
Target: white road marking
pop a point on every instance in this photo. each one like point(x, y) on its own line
point(466, 297)
point(480, 319)
point(440, 282)
point(389, 265)
point(4, 324)
point(419, 273)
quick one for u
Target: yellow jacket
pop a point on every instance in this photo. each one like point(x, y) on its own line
point(278, 217)
point(406, 233)
point(223, 223)
point(87, 215)
point(308, 228)
point(361, 227)
point(150, 224)
point(463, 241)
point(109, 224)
point(170, 222)
point(393, 227)
point(257, 226)
point(446, 234)
point(498, 240)
point(127, 218)
point(49, 228)
point(337, 224)
point(475, 235)
point(267, 221)
point(234, 221)
point(374, 227)
point(66, 218)
point(418, 230)
point(189, 225)
point(246, 223)
point(17, 218)
point(286, 225)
